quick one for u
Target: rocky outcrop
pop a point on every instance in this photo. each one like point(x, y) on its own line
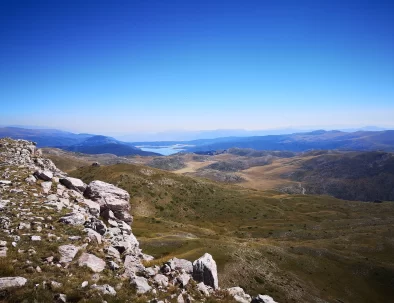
point(91, 220)
point(110, 197)
point(205, 270)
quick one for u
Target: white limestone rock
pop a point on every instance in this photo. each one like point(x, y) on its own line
point(161, 280)
point(74, 218)
point(205, 270)
point(105, 289)
point(94, 263)
point(10, 282)
point(239, 295)
point(263, 299)
point(73, 183)
point(46, 186)
point(67, 252)
point(141, 284)
point(110, 197)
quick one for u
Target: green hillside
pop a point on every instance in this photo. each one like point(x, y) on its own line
point(296, 248)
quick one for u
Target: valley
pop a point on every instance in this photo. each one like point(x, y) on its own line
point(292, 246)
point(278, 222)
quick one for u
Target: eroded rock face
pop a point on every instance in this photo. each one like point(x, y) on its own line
point(10, 282)
point(205, 270)
point(110, 197)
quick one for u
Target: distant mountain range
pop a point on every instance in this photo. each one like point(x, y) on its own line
point(83, 143)
point(223, 133)
point(296, 142)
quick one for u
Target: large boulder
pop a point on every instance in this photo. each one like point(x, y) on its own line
point(205, 270)
point(9, 282)
point(110, 197)
point(73, 183)
point(45, 175)
point(94, 263)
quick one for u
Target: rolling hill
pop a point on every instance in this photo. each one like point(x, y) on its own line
point(293, 246)
point(83, 143)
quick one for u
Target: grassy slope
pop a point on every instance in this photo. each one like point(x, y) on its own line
point(295, 248)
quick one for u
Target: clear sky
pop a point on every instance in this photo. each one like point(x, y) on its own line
point(127, 66)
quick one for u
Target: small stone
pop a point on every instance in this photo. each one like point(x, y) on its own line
point(35, 238)
point(263, 299)
point(84, 284)
point(239, 295)
point(46, 187)
point(113, 266)
point(183, 279)
point(30, 179)
point(180, 299)
point(105, 289)
point(201, 287)
point(61, 298)
point(55, 284)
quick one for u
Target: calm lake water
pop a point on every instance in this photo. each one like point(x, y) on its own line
point(164, 150)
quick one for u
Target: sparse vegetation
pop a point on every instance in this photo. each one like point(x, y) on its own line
point(291, 246)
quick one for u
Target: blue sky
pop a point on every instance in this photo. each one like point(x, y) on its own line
point(146, 66)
